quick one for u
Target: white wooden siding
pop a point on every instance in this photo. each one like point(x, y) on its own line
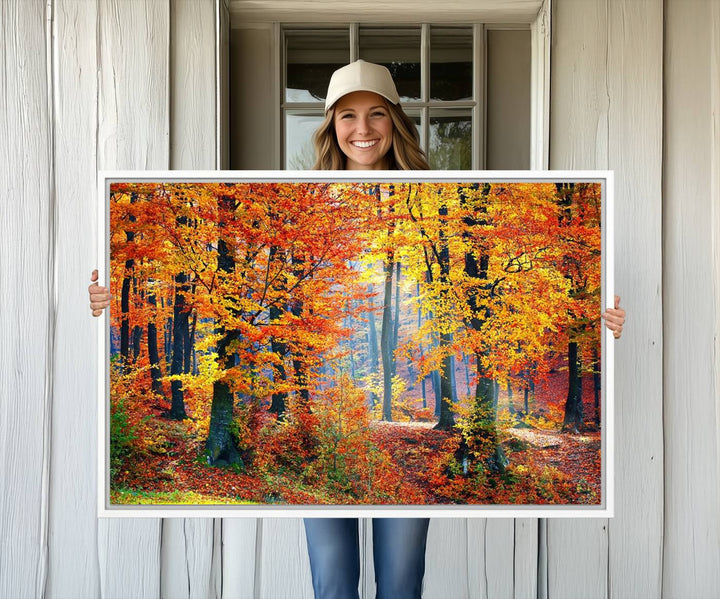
point(691, 404)
point(105, 84)
point(635, 89)
point(606, 112)
point(577, 550)
point(133, 133)
point(27, 311)
point(73, 525)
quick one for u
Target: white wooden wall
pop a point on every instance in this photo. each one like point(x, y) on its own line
point(133, 85)
point(691, 292)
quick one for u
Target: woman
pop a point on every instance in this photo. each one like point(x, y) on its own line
point(365, 129)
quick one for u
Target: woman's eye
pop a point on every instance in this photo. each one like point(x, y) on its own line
point(378, 113)
point(347, 115)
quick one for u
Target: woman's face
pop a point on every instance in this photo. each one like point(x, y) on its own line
point(364, 130)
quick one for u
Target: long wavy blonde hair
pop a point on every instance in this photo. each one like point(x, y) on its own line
point(405, 153)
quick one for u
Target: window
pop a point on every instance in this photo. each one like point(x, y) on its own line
point(468, 88)
point(438, 71)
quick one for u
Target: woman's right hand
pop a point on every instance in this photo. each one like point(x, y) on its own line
point(99, 296)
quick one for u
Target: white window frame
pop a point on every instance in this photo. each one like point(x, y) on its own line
point(539, 25)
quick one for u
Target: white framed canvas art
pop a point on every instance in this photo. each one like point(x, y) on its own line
point(384, 343)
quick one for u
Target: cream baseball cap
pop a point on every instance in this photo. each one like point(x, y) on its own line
point(361, 75)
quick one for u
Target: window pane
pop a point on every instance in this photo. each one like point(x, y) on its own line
point(451, 55)
point(312, 56)
point(299, 149)
point(450, 139)
point(415, 117)
point(398, 50)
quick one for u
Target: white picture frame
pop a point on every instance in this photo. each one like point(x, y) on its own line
point(605, 509)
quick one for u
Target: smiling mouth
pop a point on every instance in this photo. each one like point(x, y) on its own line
point(364, 144)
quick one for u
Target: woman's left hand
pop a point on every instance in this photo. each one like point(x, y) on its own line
point(615, 318)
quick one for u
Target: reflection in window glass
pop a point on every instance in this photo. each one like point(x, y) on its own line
point(299, 149)
point(450, 144)
point(451, 55)
point(399, 51)
point(311, 57)
point(415, 118)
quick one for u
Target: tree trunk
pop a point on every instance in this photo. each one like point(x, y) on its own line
point(221, 448)
point(167, 339)
point(153, 354)
point(447, 420)
point(180, 326)
point(573, 420)
point(437, 391)
point(466, 362)
point(189, 334)
point(476, 267)
point(396, 318)
point(573, 405)
point(125, 312)
point(597, 382)
point(372, 346)
point(420, 347)
point(296, 308)
point(386, 339)
point(350, 344)
point(278, 399)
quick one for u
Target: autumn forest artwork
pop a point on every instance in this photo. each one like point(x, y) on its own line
point(347, 343)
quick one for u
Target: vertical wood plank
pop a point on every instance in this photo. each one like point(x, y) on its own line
point(283, 566)
point(133, 130)
point(635, 49)
point(73, 562)
point(133, 125)
point(525, 559)
point(27, 313)
point(187, 558)
point(692, 400)
point(216, 576)
point(491, 547)
point(187, 544)
point(608, 93)
point(240, 557)
point(193, 85)
point(579, 100)
point(577, 551)
point(449, 561)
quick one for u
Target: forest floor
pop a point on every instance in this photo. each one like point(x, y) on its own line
point(172, 469)
point(412, 443)
point(176, 474)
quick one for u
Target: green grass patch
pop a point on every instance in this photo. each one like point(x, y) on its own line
point(139, 497)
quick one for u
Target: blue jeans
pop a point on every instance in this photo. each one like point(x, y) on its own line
point(398, 553)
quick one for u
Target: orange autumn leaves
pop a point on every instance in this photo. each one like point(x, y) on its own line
point(304, 265)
